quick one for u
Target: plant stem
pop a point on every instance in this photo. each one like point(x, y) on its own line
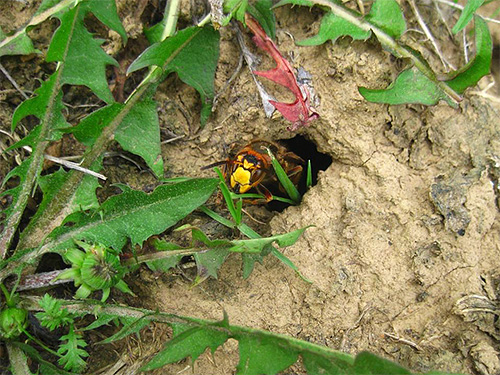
point(41, 344)
point(8, 297)
point(171, 16)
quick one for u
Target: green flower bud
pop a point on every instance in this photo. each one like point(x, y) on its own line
point(12, 322)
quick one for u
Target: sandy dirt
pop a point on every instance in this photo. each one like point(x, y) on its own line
point(403, 252)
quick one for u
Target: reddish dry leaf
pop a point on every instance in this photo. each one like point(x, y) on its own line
point(299, 113)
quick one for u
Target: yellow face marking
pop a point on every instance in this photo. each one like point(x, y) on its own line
point(241, 176)
point(248, 165)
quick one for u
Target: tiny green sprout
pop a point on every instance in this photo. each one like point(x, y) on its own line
point(95, 268)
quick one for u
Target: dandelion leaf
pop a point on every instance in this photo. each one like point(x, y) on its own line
point(192, 53)
point(84, 61)
point(480, 65)
point(135, 214)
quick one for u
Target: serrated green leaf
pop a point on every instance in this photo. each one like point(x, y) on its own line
point(467, 14)
point(84, 60)
point(85, 199)
point(411, 86)
point(333, 27)
point(164, 264)
point(367, 363)
point(132, 326)
point(210, 261)
point(387, 15)
point(193, 54)
point(191, 342)
point(257, 245)
point(46, 96)
point(249, 261)
point(139, 132)
point(263, 355)
point(478, 67)
point(90, 127)
point(106, 12)
point(47, 106)
point(53, 316)
point(135, 214)
point(21, 44)
point(72, 352)
point(262, 11)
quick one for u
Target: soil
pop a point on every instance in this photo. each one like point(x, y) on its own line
point(403, 248)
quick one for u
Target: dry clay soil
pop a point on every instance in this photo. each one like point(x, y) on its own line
point(403, 252)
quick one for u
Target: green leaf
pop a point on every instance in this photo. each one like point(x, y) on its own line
point(263, 13)
point(84, 60)
point(46, 5)
point(369, 364)
point(164, 264)
point(106, 12)
point(47, 106)
point(333, 27)
point(193, 54)
point(131, 326)
point(72, 351)
point(210, 261)
point(21, 44)
point(384, 14)
point(53, 316)
point(90, 127)
point(287, 262)
point(135, 215)
point(191, 342)
point(467, 14)
point(478, 67)
point(411, 86)
point(257, 245)
point(102, 319)
point(327, 363)
point(46, 96)
point(236, 9)
point(249, 261)
point(263, 355)
point(85, 196)
point(387, 15)
point(139, 132)
point(236, 214)
point(154, 33)
point(287, 184)
point(286, 239)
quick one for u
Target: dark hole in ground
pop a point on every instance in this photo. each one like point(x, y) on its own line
point(307, 150)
